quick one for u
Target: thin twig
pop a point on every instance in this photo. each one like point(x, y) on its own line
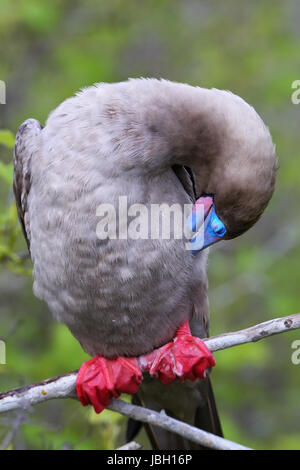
point(20, 419)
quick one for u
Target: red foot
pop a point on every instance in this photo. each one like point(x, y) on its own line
point(186, 357)
point(99, 380)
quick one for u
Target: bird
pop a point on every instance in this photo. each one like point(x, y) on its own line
point(138, 304)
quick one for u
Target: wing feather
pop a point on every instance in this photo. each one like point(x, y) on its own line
point(25, 147)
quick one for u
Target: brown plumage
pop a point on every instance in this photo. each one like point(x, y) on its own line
point(155, 142)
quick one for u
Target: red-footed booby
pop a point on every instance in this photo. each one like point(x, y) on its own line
point(131, 301)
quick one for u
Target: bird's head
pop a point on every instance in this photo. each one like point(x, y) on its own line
point(237, 180)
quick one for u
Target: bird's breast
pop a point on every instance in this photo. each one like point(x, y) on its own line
point(118, 296)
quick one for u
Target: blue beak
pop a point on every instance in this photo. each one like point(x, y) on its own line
point(205, 224)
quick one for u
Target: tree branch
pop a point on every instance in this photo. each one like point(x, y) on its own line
point(170, 424)
point(130, 446)
point(254, 333)
point(64, 386)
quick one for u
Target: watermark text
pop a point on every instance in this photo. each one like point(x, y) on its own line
point(2, 352)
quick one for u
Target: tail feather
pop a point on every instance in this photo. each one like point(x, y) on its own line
point(207, 416)
point(193, 403)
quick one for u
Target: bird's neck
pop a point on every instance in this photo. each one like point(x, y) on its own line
point(174, 124)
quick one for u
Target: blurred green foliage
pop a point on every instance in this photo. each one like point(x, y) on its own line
point(51, 49)
point(9, 225)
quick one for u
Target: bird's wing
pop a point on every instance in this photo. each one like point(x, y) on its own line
point(186, 178)
point(25, 147)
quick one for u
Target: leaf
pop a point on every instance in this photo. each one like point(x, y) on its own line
point(6, 172)
point(7, 138)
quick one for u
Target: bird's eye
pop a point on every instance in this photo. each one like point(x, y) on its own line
point(218, 227)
